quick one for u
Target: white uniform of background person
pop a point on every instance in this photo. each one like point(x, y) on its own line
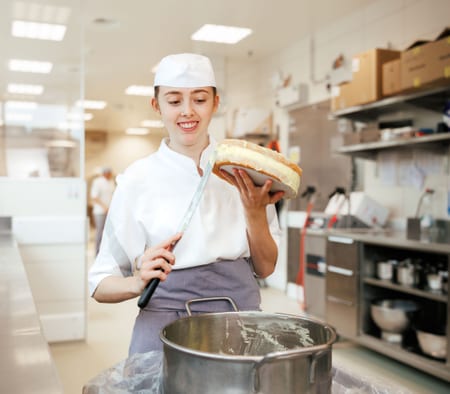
point(102, 190)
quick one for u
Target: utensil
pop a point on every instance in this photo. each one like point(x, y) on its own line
point(153, 284)
point(385, 270)
point(405, 274)
point(393, 317)
point(431, 344)
point(247, 352)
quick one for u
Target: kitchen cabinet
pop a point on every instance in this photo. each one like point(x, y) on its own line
point(342, 285)
point(370, 248)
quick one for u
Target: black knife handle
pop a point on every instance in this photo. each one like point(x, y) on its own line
point(148, 292)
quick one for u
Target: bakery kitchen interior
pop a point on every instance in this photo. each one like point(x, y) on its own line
point(343, 105)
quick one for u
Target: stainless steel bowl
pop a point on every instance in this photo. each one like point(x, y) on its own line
point(432, 344)
point(393, 316)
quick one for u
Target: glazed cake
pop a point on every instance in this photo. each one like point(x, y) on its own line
point(260, 163)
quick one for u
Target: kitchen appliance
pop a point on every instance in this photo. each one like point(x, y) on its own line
point(246, 352)
point(393, 317)
point(153, 284)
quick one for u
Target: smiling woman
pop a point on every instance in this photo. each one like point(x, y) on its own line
point(152, 197)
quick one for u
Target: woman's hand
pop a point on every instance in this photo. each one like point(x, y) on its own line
point(157, 261)
point(253, 197)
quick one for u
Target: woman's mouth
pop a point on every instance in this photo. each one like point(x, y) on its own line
point(188, 126)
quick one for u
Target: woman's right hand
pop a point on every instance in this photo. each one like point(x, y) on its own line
point(157, 261)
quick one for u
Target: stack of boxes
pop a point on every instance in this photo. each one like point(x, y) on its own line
point(365, 86)
point(380, 73)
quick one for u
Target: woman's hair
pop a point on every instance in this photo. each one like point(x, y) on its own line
point(157, 91)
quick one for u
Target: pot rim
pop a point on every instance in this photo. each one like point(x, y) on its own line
point(285, 354)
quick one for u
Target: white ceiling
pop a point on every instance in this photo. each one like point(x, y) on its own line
point(123, 53)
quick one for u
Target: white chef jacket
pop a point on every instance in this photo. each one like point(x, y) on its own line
point(149, 203)
point(102, 189)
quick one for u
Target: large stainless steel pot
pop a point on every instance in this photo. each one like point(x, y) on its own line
point(247, 352)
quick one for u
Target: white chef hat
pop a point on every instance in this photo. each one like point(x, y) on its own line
point(185, 70)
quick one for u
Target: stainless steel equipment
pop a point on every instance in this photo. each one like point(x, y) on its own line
point(315, 270)
point(342, 285)
point(247, 352)
point(393, 317)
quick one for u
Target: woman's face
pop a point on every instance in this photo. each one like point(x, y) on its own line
point(186, 113)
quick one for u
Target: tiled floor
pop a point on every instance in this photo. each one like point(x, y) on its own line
point(109, 329)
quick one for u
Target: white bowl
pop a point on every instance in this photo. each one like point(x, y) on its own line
point(432, 344)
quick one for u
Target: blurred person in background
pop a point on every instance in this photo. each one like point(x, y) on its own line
point(102, 190)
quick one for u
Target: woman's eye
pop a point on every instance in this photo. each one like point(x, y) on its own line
point(174, 102)
point(200, 101)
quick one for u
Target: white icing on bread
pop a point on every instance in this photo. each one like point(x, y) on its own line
point(263, 160)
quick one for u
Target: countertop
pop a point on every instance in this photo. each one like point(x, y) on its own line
point(385, 237)
point(26, 364)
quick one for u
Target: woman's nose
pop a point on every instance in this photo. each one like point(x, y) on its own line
point(187, 110)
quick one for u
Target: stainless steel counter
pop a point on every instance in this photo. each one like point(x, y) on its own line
point(26, 365)
point(386, 238)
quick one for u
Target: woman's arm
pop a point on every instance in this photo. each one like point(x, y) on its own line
point(255, 199)
point(156, 262)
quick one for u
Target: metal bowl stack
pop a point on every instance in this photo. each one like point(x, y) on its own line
point(393, 317)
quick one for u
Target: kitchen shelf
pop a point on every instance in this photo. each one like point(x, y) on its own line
point(421, 362)
point(369, 150)
point(435, 296)
point(428, 98)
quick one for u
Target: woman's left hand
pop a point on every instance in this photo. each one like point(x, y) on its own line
point(253, 197)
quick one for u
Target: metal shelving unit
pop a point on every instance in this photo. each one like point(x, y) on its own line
point(435, 296)
point(429, 98)
point(369, 150)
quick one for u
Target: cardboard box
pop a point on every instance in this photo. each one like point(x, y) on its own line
point(365, 86)
point(342, 97)
point(370, 134)
point(414, 64)
point(351, 138)
point(391, 78)
point(439, 65)
point(367, 74)
point(426, 63)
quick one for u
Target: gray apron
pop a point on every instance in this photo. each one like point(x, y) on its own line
point(233, 279)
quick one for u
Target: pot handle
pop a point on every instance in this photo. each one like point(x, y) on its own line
point(188, 303)
point(271, 357)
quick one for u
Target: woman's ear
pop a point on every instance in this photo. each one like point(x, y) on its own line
point(216, 103)
point(155, 105)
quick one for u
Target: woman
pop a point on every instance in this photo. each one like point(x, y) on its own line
point(233, 234)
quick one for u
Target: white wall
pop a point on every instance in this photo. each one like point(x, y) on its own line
point(384, 23)
point(394, 23)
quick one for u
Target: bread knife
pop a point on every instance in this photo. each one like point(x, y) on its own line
point(153, 284)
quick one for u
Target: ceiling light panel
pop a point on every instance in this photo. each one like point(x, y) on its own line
point(17, 88)
point(137, 131)
point(23, 105)
point(28, 11)
point(91, 104)
point(221, 34)
point(153, 124)
point(38, 31)
point(30, 66)
point(75, 116)
point(140, 90)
